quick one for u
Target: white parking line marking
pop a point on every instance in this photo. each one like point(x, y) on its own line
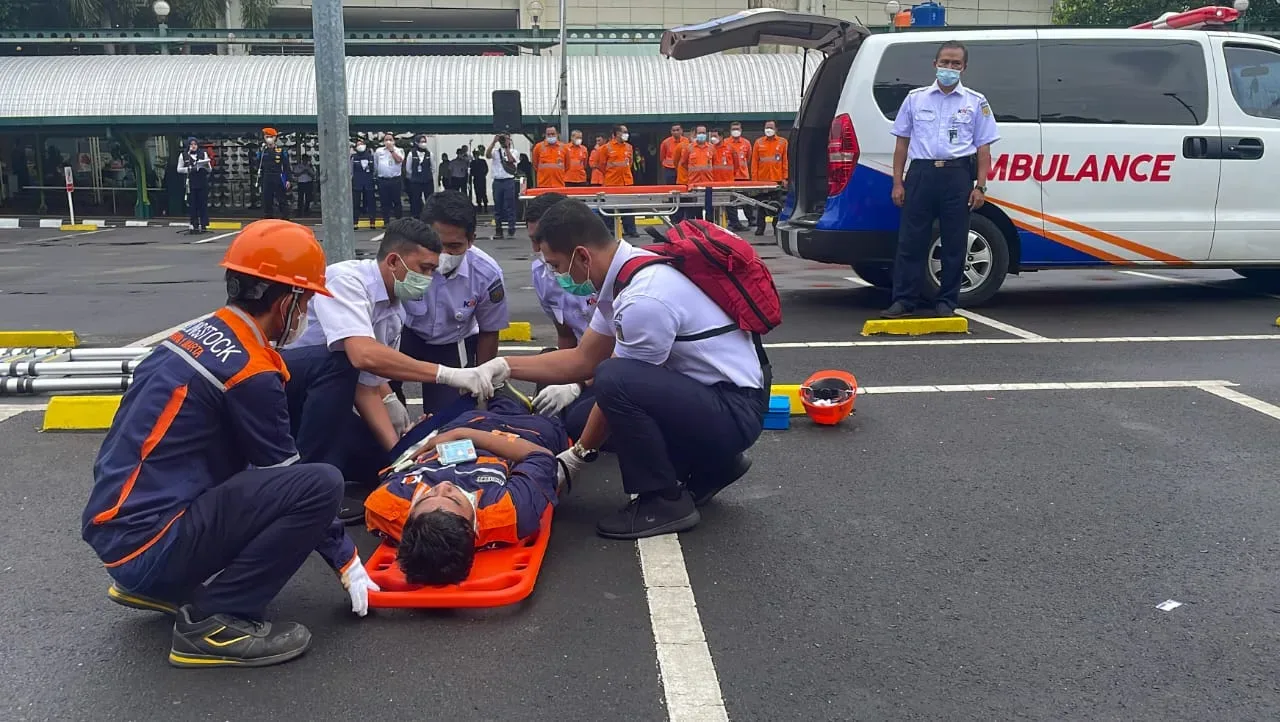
point(689, 680)
point(162, 335)
point(378, 238)
point(8, 411)
point(214, 238)
point(858, 281)
point(1020, 341)
point(1244, 400)
point(136, 224)
point(1001, 325)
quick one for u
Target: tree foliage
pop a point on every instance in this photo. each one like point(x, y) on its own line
point(1124, 13)
point(38, 14)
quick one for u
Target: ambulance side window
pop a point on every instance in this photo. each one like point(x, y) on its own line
point(1004, 71)
point(1255, 80)
point(1123, 82)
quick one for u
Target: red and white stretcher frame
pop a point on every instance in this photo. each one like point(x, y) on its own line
point(662, 201)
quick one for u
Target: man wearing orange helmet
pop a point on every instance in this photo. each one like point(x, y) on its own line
point(198, 509)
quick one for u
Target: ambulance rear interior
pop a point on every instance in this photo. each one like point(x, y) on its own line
point(1118, 147)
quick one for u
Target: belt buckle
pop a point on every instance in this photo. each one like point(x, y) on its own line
point(939, 164)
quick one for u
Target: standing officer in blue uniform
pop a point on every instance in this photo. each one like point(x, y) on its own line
point(275, 175)
point(196, 165)
point(571, 314)
point(389, 166)
point(458, 321)
point(945, 132)
point(362, 164)
point(196, 476)
point(348, 353)
point(679, 405)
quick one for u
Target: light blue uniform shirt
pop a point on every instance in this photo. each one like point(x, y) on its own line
point(661, 303)
point(359, 307)
point(561, 306)
point(470, 300)
point(943, 126)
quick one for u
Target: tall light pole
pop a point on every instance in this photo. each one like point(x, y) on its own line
point(564, 73)
point(335, 132)
point(1241, 6)
point(161, 9)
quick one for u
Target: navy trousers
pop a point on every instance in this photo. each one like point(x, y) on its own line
point(198, 201)
point(435, 396)
point(256, 528)
point(362, 203)
point(666, 427)
point(321, 392)
point(274, 195)
point(389, 191)
point(419, 192)
point(504, 203)
point(940, 194)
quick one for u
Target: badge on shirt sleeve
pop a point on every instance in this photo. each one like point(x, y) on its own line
point(497, 292)
point(986, 109)
point(617, 328)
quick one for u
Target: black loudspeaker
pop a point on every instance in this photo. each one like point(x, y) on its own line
point(507, 115)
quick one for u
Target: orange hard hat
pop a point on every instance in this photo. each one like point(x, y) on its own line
point(270, 131)
point(828, 396)
point(280, 252)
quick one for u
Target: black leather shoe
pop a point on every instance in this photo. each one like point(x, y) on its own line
point(650, 515)
point(943, 310)
point(897, 310)
point(704, 489)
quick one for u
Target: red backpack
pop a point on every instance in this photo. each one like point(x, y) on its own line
point(723, 265)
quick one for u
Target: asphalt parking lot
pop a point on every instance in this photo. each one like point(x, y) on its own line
point(987, 538)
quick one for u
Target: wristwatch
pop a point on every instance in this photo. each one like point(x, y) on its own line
point(983, 189)
point(587, 455)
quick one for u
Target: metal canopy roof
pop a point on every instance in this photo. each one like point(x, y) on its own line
point(428, 92)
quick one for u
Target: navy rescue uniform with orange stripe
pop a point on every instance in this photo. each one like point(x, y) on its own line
point(509, 499)
point(207, 408)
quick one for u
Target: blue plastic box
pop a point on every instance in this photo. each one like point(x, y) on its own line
point(778, 416)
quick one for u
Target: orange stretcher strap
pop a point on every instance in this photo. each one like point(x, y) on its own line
point(499, 576)
point(608, 190)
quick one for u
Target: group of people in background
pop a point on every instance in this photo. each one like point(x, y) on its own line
point(382, 177)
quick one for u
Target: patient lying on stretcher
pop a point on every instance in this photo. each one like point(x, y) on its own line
point(438, 515)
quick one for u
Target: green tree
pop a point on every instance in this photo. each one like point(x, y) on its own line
point(25, 14)
point(1124, 13)
point(138, 13)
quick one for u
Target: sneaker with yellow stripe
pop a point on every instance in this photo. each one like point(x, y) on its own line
point(133, 600)
point(226, 641)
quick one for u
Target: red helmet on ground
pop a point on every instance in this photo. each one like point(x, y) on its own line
point(280, 252)
point(828, 396)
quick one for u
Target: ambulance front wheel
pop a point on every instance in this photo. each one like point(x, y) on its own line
point(985, 266)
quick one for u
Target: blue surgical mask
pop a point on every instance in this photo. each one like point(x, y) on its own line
point(948, 77)
point(701, 137)
point(413, 287)
point(576, 288)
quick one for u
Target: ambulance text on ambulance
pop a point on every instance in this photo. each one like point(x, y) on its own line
point(1065, 168)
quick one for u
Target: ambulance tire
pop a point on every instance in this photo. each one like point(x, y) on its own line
point(1268, 278)
point(879, 275)
point(989, 255)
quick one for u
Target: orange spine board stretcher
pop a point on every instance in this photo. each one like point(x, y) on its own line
point(499, 576)
point(607, 190)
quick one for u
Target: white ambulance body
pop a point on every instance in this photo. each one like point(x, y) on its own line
point(1118, 147)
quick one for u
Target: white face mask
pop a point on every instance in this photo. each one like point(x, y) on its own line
point(769, 132)
point(625, 137)
point(422, 146)
point(361, 148)
point(577, 141)
point(449, 263)
point(715, 140)
point(736, 133)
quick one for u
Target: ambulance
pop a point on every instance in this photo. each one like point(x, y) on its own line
point(1150, 146)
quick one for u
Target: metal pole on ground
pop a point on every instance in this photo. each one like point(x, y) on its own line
point(564, 75)
point(335, 133)
point(28, 385)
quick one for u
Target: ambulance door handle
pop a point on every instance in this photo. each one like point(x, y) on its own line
point(1242, 148)
point(1197, 146)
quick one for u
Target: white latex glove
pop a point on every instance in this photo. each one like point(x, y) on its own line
point(358, 585)
point(476, 381)
point(572, 462)
point(398, 413)
point(498, 369)
point(552, 399)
